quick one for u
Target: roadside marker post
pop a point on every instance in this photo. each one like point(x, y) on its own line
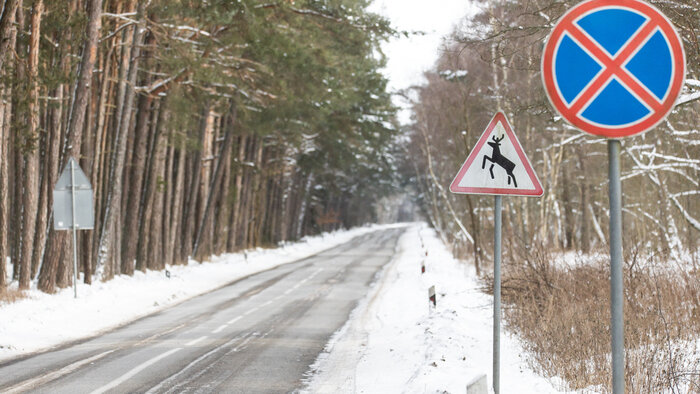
point(497, 147)
point(614, 68)
point(73, 207)
point(431, 297)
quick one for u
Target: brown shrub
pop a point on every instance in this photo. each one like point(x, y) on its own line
point(8, 296)
point(563, 313)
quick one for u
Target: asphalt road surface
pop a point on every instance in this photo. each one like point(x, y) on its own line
point(259, 334)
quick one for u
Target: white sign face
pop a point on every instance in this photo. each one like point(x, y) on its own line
point(497, 165)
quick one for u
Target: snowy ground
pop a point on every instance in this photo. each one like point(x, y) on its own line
point(43, 321)
point(392, 343)
point(395, 343)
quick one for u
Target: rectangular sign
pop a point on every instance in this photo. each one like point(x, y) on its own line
point(63, 210)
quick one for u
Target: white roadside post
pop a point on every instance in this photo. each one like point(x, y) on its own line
point(497, 147)
point(73, 208)
point(614, 68)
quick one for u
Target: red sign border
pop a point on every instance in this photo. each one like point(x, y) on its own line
point(538, 191)
point(678, 56)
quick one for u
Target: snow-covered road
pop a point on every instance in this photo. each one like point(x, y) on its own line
point(42, 321)
point(392, 342)
point(259, 334)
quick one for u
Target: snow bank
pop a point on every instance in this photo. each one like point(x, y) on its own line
point(43, 320)
point(395, 343)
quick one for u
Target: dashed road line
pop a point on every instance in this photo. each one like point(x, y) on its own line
point(219, 329)
point(193, 342)
point(27, 384)
point(134, 371)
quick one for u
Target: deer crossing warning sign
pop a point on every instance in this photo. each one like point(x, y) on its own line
point(497, 165)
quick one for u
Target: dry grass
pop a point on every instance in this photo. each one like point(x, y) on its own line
point(8, 296)
point(563, 315)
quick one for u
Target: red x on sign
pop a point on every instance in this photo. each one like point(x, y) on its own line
point(613, 67)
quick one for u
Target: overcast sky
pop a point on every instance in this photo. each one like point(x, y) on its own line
point(408, 58)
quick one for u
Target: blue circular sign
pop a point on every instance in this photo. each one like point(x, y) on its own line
point(613, 67)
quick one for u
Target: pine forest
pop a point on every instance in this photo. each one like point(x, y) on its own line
point(204, 127)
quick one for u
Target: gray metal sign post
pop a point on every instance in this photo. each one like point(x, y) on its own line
point(497, 293)
point(660, 71)
point(73, 208)
point(498, 146)
point(75, 238)
point(616, 296)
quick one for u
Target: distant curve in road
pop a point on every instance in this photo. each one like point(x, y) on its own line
point(259, 334)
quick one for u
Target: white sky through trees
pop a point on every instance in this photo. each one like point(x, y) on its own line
point(409, 57)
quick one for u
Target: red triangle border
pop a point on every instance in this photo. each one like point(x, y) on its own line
point(538, 191)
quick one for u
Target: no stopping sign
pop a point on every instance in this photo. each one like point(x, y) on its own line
point(613, 67)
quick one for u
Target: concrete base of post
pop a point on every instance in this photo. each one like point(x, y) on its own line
point(478, 385)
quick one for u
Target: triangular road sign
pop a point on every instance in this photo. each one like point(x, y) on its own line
point(81, 180)
point(497, 165)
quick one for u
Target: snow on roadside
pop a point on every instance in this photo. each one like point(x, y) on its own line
point(394, 343)
point(42, 321)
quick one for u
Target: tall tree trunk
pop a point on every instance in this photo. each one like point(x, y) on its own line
point(7, 21)
point(177, 214)
point(5, 116)
point(155, 258)
point(147, 232)
point(231, 244)
point(585, 243)
point(111, 231)
point(138, 169)
point(31, 173)
point(215, 186)
point(221, 227)
point(192, 193)
point(58, 240)
point(8, 36)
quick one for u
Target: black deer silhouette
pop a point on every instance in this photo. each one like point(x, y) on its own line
point(498, 158)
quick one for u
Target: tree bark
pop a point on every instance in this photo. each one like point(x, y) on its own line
point(177, 213)
point(5, 116)
point(6, 23)
point(236, 212)
point(138, 169)
point(110, 230)
point(155, 257)
point(193, 193)
point(31, 171)
point(148, 232)
point(215, 186)
point(58, 240)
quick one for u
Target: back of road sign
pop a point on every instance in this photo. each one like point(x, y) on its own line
point(613, 67)
point(497, 165)
point(63, 204)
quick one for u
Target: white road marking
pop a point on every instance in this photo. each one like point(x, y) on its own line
point(244, 343)
point(235, 319)
point(175, 376)
point(193, 342)
point(251, 310)
point(218, 330)
point(134, 371)
point(43, 379)
point(266, 303)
